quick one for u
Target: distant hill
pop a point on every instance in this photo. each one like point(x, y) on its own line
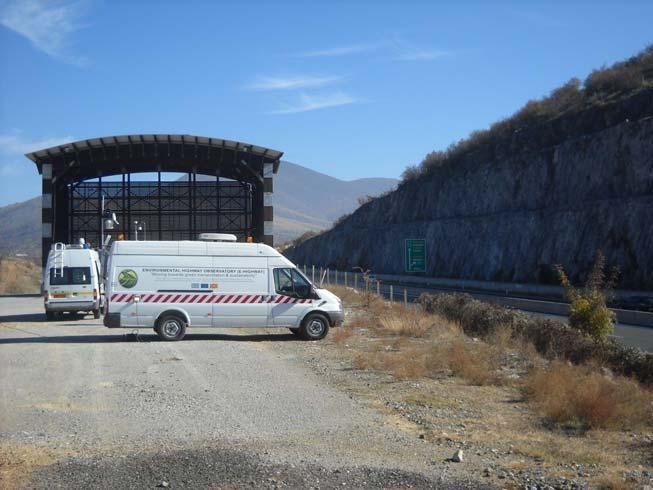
point(21, 228)
point(308, 200)
point(303, 200)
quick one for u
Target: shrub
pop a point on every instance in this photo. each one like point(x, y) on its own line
point(478, 319)
point(551, 338)
point(475, 362)
point(565, 394)
point(340, 220)
point(411, 172)
point(362, 200)
point(588, 310)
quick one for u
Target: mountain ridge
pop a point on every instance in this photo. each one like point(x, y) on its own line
point(303, 199)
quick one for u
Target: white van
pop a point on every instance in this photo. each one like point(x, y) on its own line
point(170, 286)
point(72, 281)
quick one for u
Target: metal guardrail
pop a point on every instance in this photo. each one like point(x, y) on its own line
point(406, 294)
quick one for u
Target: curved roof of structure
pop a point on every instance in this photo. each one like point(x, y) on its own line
point(155, 152)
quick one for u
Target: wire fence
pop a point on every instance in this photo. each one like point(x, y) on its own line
point(360, 281)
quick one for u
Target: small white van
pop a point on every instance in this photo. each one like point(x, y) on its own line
point(71, 281)
point(170, 286)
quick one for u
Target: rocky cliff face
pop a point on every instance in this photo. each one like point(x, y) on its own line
point(552, 194)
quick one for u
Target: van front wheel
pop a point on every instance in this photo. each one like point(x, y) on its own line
point(171, 327)
point(314, 327)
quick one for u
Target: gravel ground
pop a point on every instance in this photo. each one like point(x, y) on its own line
point(228, 409)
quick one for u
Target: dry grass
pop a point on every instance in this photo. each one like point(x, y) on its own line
point(349, 296)
point(402, 362)
point(456, 372)
point(475, 362)
point(567, 394)
point(501, 336)
point(342, 334)
point(406, 323)
point(18, 276)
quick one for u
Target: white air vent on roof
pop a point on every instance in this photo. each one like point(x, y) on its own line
point(217, 237)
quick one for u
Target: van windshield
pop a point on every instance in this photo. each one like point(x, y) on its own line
point(70, 276)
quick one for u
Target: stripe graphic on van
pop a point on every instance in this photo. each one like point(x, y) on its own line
point(209, 298)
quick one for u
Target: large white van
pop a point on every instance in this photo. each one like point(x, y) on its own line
point(71, 281)
point(170, 286)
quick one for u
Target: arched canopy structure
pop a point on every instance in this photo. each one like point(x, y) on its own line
point(65, 168)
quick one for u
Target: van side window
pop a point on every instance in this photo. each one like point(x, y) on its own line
point(291, 283)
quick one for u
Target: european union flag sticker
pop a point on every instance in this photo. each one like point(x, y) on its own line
point(204, 285)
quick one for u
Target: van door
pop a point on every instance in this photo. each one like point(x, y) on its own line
point(123, 279)
point(292, 297)
point(241, 294)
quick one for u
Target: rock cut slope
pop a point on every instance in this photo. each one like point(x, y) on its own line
point(548, 190)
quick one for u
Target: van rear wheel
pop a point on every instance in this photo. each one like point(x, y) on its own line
point(49, 315)
point(171, 327)
point(314, 327)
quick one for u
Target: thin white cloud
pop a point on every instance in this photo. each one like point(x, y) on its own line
point(292, 82)
point(307, 103)
point(421, 55)
point(405, 51)
point(46, 24)
point(15, 144)
point(399, 49)
point(342, 50)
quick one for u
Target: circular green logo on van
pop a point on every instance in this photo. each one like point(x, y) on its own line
point(128, 278)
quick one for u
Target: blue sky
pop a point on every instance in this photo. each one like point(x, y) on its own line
point(351, 89)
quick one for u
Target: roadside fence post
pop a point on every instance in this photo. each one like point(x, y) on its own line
point(336, 279)
point(355, 281)
point(391, 293)
point(378, 287)
point(345, 278)
point(405, 298)
point(328, 279)
point(313, 274)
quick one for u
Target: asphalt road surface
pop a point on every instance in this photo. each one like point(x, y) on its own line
point(82, 406)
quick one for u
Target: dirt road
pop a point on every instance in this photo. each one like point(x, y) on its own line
point(85, 406)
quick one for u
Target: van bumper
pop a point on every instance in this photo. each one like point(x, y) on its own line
point(336, 317)
point(72, 305)
point(111, 320)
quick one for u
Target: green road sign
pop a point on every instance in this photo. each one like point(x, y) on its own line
point(415, 255)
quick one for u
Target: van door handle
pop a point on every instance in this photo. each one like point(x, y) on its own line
point(137, 298)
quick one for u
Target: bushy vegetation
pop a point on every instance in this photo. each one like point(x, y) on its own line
point(567, 394)
point(551, 338)
point(602, 85)
point(341, 219)
point(456, 335)
point(589, 311)
point(307, 235)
